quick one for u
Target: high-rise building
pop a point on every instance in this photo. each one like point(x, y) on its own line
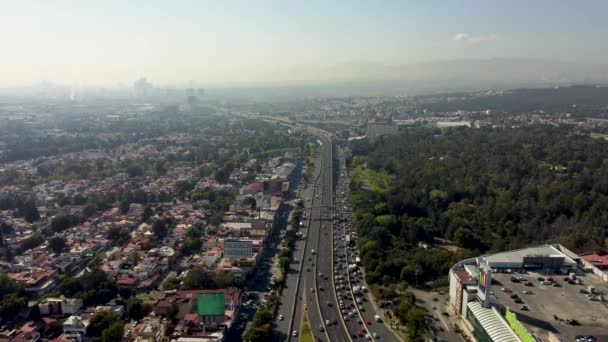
point(377, 129)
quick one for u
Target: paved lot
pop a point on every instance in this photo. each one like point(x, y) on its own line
point(546, 303)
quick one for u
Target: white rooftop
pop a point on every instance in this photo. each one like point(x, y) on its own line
point(493, 323)
point(517, 256)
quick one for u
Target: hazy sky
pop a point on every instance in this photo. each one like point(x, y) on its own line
point(223, 42)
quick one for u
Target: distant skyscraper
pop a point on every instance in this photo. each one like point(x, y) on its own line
point(142, 87)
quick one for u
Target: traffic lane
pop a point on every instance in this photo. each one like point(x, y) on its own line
point(378, 327)
point(322, 257)
point(298, 304)
point(368, 312)
point(316, 319)
point(303, 305)
point(328, 299)
point(329, 305)
point(288, 295)
point(331, 313)
point(355, 325)
point(302, 298)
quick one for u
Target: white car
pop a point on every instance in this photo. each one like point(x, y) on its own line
point(294, 333)
point(281, 317)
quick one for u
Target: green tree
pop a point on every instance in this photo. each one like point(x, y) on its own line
point(171, 284)
point(222, 175)
point(199, 278)
point(224, 279)
point(192, 246)
point(29, 243)
point(57, 244)
point(93, 287)
point(100, 322)
point(29, 211)
point(135, 170)
point(147, 213)
point(120, 236)
point(61, 222)
point(124, 206)
point(113, 333)
point(34, 314)
point(52, 329)
point(159, 228)
point(135, 308)
point(284, 263)
point(11, 305)
point(160, 169)
point(251, 202)
point(89, 210)
point(416, 324)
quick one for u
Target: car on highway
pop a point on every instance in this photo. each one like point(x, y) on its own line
point(294, 333)
point(281, 317)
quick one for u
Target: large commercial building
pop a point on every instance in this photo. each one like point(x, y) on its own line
point(540, 293)
point(378, 129)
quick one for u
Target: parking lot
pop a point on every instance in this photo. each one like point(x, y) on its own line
point(564, 308)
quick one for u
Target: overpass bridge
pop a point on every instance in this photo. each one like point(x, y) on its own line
point(327, 215)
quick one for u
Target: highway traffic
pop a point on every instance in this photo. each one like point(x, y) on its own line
point(325, 281)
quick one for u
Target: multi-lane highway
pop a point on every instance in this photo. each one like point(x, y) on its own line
point(319, 283)
point(315, 296)
point(361, 316)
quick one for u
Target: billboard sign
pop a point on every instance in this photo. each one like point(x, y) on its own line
point(518, 328)
point(483, 280)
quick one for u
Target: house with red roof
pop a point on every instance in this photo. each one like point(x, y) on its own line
point(599, 261)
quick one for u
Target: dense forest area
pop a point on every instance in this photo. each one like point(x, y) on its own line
point(581, 101)
point(424, 200)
